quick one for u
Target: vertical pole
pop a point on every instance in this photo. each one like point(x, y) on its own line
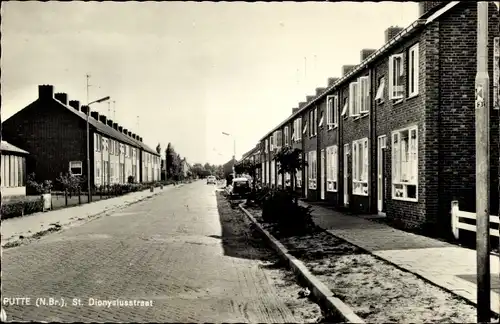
point(482, 167)
point(89, 195)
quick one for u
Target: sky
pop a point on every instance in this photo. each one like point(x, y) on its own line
point(184, 72)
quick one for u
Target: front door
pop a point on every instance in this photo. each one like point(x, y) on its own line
point(381, 181)
point(322, 175)
point(305, 183)
point(346, 174)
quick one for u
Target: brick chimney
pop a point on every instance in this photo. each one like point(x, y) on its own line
point(133, 135)
point(331, 81)
point(129, 133)
point(310, 98)
point(391, 32)
point(140, 139)
point(429, 6)
point(103, 119)
point(46, 91)
point(365, 52)
point(294, 110)
point(95, 115)
point(347, 68)
point(319, 91)
point(62, 97)
point(109, 122)
point(85, 109)
point(125, 131)
point(120, 129)
point(115, 126)
point(302, 104)
point(75, 104)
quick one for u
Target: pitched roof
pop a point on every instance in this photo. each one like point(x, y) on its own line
point(6, 146)
point(110, 131)
point(410, 30)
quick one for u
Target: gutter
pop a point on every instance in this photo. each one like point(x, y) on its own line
point(414, 27)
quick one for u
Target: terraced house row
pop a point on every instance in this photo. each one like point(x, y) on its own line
point(53, 131)
point(395, 134)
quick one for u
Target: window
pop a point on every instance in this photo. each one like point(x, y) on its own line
point(313, 122)
point(287, 136)
point(278, 139)
point(396, 74)
point(271, 142)
point(405, 164)
point(353, 94)
point(297, 131)
point(345, 106)
point(331, 168)
point(104, 144)
point(266, 145)
point(76, 167)
point(332, 111)
point(360, 167)
point(313, 169)
point(97, 142)
point(413, 65)
point(299, 179)
point(379, 98)
point(363, 105)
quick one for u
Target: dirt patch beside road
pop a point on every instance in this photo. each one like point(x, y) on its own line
point(240, 239)
point(377, 291)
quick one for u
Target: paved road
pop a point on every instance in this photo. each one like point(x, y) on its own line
point(170, 249)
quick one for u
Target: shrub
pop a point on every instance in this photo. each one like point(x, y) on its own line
point(279, 207)
point(131, 179)
point(21, 207)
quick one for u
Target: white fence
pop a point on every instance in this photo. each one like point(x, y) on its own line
point(457, 215)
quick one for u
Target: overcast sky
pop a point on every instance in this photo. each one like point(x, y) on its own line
point(190, 71)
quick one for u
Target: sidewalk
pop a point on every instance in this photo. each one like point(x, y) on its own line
point(29, 225)
point(446, 265)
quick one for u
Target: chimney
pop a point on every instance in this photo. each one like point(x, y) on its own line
point(391, 32)
point(120, 129)
point(310, 98)
point(129, 133)
point(347, 68)
point(319, 91)
point(429, 6)
point(85, 109)
point(140, 139)
point(62, 97)
point(331, 81)
point(95, 115)
point(365, 52)
point(75, 104)
point(294, 110)
point(103, 119)
point(115, 126)
point(125, 131)
point(302, 104)
point(109, 122)
point(134, 136)
point(45, 91)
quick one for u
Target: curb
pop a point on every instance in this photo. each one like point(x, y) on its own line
point(40, 234)
point(319, 290)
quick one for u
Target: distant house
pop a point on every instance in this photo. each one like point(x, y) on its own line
point(53, 130)
point(13, 171)
point(185, 167)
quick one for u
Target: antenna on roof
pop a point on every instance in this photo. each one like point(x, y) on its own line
point(114, 110)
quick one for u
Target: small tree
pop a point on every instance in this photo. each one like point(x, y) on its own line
point(40, 187)
point(71, 183)
point(290, 161)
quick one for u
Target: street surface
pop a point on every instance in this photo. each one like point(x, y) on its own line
point(169, 255)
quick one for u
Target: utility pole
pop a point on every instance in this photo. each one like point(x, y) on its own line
point(482, 168)
point(89, 194)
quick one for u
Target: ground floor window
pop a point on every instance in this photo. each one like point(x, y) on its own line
point(332, 168)
point(405, 164)
point(360, 157)
point(313, 169)
point(299, 179)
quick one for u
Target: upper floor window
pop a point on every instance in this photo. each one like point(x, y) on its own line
point(266, 145)
point(278, 139)
point(286, 139)
point(331, 168)
point(313, 122)
point(359, 97)
point(332, 111)
point(396, 74)
point(297, 131)
point(413, 65)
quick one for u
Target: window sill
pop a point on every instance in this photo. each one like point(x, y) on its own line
point(397, 101)
point(360, 194)
point(405, 199)
point(332, 191)
point(363, 115)
point(379, 102)
point(333, 127)
point(413, 96)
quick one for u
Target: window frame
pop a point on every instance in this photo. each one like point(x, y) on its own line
point(73, 167)
point(286, 136)
point(353, 99)
point(363, 95)
point(413, 70)
point(360, 169)
point(399, 187)
point(332, 168)
point(313, 170)
point(396, 90)
point(330, 111)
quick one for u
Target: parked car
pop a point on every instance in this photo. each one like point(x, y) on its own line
point(211, 180)
point(240, 188)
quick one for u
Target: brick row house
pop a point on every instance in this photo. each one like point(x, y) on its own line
point(53, 130)
point(254, 156)
point(395, 134)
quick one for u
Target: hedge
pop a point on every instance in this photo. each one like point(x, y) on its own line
point(21, 207)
